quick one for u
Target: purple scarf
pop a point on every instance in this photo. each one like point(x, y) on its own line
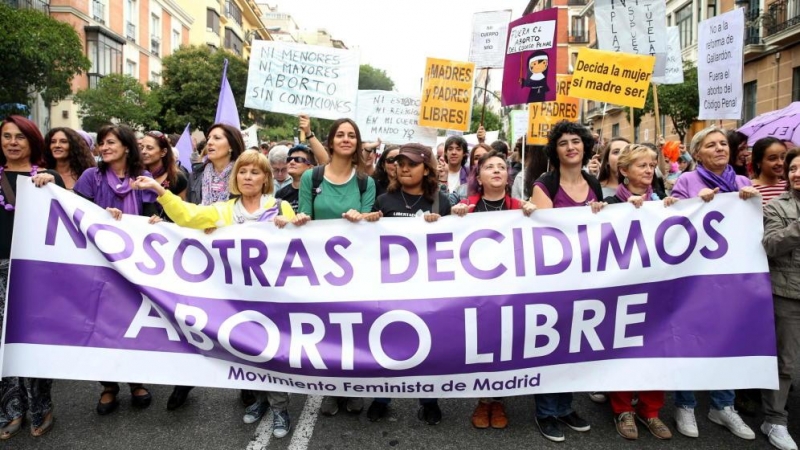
point(725, 183)
point(623, 193)
point(123, 190)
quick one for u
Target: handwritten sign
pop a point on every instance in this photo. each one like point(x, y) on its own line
point(544, 115)
point(293, 78)
point(392, 117)
point(489, 34)
point(529, 73)
point(633, 26)
point(447, 94)
point(673, 73)
point(612, 77)
point(719, 65)
point(519, 125)
point(250, 136)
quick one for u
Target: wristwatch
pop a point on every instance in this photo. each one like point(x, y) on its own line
point(310, 135)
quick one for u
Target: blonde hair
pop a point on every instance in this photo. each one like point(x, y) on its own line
point(251, 158)
point(631, 153)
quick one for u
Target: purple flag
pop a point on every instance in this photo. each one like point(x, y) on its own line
point(185, 149)
point(227, 112)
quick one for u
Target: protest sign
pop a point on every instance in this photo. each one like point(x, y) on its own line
point(250, 136)
point(392, 117)
point(447, 94)
point(489, 34)
point(519, 125)
point(542, 116)
point(291, 78)
point(612, 77)
point(719, 65)
point(673, 73)
point(399, 308)
point(529, 73)
point(633, 26)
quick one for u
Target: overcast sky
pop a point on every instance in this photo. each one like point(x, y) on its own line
point(397, 36)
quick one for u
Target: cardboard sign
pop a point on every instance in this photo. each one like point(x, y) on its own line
point(489, 34)
point(673, 73)
point(719, 65)
point(519, 125)
point(612, 77)
point(633, 26)
point(392, 117)
point(529, 73)
point(297, 79)
point(447, 94)
point(544, 115)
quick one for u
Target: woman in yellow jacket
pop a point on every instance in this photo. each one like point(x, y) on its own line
point(251, 201)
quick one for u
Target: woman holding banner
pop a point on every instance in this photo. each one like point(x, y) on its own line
point(23, 148)
point(489, 184)
point(567, 184)
point(782, 244)
point(463, 191)
point(709, 147)
point(339, 189)
point(159, 160)
point(68, 154)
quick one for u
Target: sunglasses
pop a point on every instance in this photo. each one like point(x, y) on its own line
point(391, 160)
point(159, 136)
point(298, 159)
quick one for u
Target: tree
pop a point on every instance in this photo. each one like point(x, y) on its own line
point(40, 54)
point(681, 102)
point(491, 121)
point(371, 78)
point(118, 98)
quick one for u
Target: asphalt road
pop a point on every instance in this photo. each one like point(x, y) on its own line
point(212, 419)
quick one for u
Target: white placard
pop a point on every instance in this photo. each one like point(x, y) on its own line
point(392, 117)
point(633, 26)
point(489, 33)
point(519, 125)
point(296, 79)
point(719, 65)
point(673, 73)
point(532, 36)
point(250, 136)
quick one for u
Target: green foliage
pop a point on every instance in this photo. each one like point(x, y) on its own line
point(40, 54)
point(491, 121)
point(371, 78)
point(681, 102)
point(121, 98)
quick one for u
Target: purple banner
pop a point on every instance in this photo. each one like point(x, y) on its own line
point(529, 74)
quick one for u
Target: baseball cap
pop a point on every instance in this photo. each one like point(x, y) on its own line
point(417, 153)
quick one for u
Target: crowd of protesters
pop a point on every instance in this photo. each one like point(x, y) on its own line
point(287, 182)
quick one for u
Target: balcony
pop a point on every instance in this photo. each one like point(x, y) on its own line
point(577, 2)
point(99, 12)
point(753, 43)
point(130, 31)
point(781, 22)
point(39, 5)
point(578, 37)
point(155, 45)
point(232, 11)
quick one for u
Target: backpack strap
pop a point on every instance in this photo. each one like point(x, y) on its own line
point(435, 207)
point(551, 181)
point(317, 173)
point(594, 185)
point(362, 183)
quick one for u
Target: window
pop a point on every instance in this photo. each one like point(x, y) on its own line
point(233, 11)
point(99, 11)
point(155, 35)
point(212, 21)
point(577, 32)
point(615, 129)
point(130, 25)
point(683, 19)
point(130, 68)
point(796, 84)
point(105, 53)
point(155, 77)
point(176, 40)
point(233, 42)
point(749, 104)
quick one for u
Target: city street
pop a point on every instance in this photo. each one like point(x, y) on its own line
point(212, 419)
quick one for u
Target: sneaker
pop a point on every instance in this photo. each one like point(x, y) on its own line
point(255, 412)
point(574, 421)
point(480, 417)
point(685, 421)
point(377, 411)
point(598, 397)
point(354, 405)
point(549, 428)
point(730, 419)
point(330, 406)
point(657, 427)
point(626, 426)
point(498, 415)
point(430, 413)
point(280, 423)
point(778, 436)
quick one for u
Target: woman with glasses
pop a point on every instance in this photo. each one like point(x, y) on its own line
point(385, 170)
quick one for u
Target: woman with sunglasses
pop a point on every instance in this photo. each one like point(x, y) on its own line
point(299, 159)
point(385, 170)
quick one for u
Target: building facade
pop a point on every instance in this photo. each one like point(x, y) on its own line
point(228, 24)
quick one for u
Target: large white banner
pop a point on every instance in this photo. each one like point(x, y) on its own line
point(633, 26)
point(720, 60)
point(492, 304)
point(673, 74)
point(392, 117)
point(291, 78)
point(489, 34)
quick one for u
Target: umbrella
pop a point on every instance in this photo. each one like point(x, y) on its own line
point(783, 124)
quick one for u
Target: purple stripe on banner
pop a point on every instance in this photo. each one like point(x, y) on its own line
point(703, 316)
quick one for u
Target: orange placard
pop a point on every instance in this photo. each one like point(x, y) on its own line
point(542, 116)
point(447, 94)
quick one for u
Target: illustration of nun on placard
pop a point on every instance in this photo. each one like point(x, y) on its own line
point(536, 76)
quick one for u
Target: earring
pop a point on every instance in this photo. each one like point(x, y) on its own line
point(625, 181)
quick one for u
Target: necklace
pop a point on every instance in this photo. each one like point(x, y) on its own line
point(492, 208)
point(408, 207)
point(7, 206)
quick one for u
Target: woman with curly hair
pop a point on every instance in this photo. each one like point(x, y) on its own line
point(66, 152)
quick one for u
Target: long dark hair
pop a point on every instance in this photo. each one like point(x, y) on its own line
point(32, 134)
point(605, 168)
point(357, 159)
point(79, 157)
point(567, 127)
point(380, 175)
point(430, 182)
point(535, 166)
point(790, 155)
point(126, 136)
point(234, 137)
point(168, 160)
point(760, 150)
point(735, 139)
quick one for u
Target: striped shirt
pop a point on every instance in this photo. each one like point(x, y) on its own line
point(768, 192)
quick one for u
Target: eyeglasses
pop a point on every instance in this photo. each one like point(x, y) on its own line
point(298, 159)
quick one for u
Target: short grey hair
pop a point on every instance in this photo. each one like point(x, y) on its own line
point(277, 155)
point(700, 136)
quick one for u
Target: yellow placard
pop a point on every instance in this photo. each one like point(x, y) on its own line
point(619, 78)
point(447, 94)
point(542, 116)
